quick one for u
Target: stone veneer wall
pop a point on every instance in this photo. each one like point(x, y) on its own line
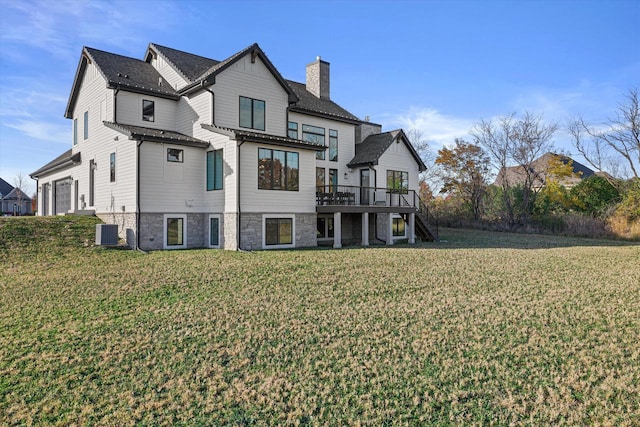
point(251, 231)
point(229, 231)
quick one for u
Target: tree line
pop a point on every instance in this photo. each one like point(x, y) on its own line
point(536, 188)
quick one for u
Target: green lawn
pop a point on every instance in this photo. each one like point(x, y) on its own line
point(486, 328)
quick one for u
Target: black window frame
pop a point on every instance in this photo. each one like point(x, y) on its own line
point(286, 174)
point(320, 185)
point(179, 155)
point(312, 134)
point(75, 131)
point(145, 116)
point(112, 167)
point(214, 162)
point(86, 125)
point(398, 181)
point(292, 130)
point(333, 145)
point(254, 103)
point(279, 223)
point(396, 227)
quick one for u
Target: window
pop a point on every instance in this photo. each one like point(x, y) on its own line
point(214, 231)
point(277, 170)
point(148, 110)
point(278, 232)
point(215, 170)
point(314, 135)
point(86, 125)
point(333, 180)
point(175, 231)
point(75, 131)
point(112, 167)
point(333, 145)
point(324, 228)
point(292, 131)
point(320, 179)
point(175, 155)
point(251, 113)
point(397, 180)
point(398, 227)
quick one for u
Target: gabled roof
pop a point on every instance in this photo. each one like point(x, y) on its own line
point(141, 133)
point(63, 161)
point(120, 72)
point(5, 187)
point(515, 174)
point(17, 194)
point(187, 64)
point(265, 138)
point(308, 103)
point(209, 76)
point(369, 151)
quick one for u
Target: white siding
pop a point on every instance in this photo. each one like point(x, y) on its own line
point(275, 201)
point(168, 72)
point(346, 147)
point(252, 80)
point(399, 158)
point(130, 111)
point(191, 112)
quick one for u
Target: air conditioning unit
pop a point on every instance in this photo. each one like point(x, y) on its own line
point(106, 234)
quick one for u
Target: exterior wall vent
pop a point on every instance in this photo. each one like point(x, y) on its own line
point(106, 234)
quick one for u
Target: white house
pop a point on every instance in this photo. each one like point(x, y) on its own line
point(182, 151)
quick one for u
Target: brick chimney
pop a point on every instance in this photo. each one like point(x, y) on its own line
point(318, 78)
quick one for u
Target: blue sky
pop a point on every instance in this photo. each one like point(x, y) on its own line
point(438, 66)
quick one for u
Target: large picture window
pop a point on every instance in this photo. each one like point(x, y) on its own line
point(278, 170)
point(278, 232)
point(252, 112)
point(397, 180)
point(314, 135)
point(333, 145)
point(214, 170)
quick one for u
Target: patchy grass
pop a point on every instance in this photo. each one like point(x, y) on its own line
point(487, 328)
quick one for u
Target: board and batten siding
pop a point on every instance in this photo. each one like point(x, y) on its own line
point(346, 147)
point(397, 158)
point(276, 201)
point(129, 111)
point(252, 80)
point(166, 70)
point(95, 98)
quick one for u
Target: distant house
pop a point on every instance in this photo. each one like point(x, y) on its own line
point(515, 175)
point(183, 151)
point(13, 201)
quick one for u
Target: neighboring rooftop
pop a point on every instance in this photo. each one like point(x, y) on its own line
point(5, 188)
point(515, 175)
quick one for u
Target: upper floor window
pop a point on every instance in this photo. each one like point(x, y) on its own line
point(319, 179)
point(86, 125)
point(75, 131)
point(214, 170)
point(315, 135)
point(333, 145)
point(175, 155)
point(398, 180)
point(252, 113)
point(292, 130)
point(278, 170)
point(148, 110)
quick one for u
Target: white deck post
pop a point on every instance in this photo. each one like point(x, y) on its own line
point(365, 229)
point(389, 229)
point(337, 230)
point(412, 227)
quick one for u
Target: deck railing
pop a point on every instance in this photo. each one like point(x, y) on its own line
point(350, 195)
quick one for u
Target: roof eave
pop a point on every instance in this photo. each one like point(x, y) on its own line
point(63, 164)
point(337, 118)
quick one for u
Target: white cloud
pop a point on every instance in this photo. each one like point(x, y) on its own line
point(437, 128)
point(41, 130)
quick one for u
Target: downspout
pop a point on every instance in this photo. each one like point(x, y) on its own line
point(138, 144)
point(115, 104)
point(238, 208)
point(213, 105)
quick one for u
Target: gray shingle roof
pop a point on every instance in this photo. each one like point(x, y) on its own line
point(5, 187)
point(189, 65)
point(309, 103)
point(62, 161)
point(157, 135)
point(131, 73)
point(369, 151)
point(515, 174)
point(265, 138)
point(17, 194)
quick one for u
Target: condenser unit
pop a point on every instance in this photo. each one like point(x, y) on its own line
point(106, 234)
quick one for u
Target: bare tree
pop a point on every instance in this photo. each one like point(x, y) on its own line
point(620, 135)
point(512, 141)
point(21, 184)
